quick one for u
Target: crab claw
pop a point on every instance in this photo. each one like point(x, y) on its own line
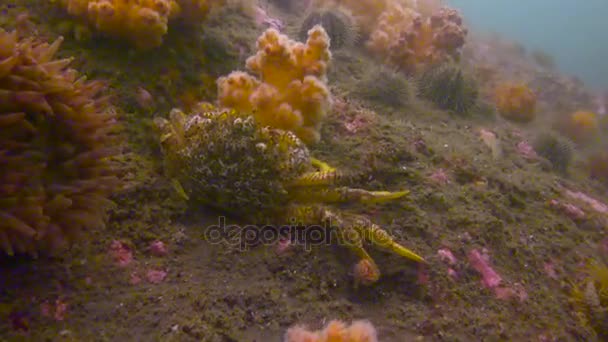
point(382, 196)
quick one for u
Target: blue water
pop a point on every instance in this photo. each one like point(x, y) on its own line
point(574, 32)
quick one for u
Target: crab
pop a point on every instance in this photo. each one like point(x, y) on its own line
point(222, 158)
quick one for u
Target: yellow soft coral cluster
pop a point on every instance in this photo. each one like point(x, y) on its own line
point(408, 40)
point(409, 34)
point(291, 92)
point(141, 22)
point(335, 331)
point(515, 102)
point(581, 126)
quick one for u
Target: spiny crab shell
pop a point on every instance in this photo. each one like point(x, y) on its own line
point(223, 159)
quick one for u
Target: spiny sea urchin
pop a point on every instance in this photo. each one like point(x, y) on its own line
point(386, 86)
point(449, 88)
point(289, 5)
point(556, 149)
point(56, 134)
point(339, 25)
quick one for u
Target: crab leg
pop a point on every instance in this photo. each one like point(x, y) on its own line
point(344, 194)
point(380, 238)
point(322, 166)
point(316, 178)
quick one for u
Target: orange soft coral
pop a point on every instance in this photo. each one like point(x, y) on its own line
point(56, 134)
point(143, 22)
point(335, 331)
point(291, 93)
point(515, 102)
point(412, 42)
point(581, 126)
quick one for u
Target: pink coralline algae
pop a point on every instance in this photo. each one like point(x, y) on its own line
point(283, 246)
point(481, 263)
point(596, 205)
point(570, 210)
point(447, 256)
point(56, 311)
point(492, 280)
point(121, 253)
point(263, 19)
point(526, 150)
point(156, 276)
point(439, 177)
point(356, 124)
point(134, 278)
point(516, 291)
point(549, 268)
point(158, 248)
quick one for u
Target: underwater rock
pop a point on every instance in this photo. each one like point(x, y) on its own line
point(526, 150)
point(121, 253)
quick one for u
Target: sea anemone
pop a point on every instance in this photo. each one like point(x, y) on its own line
point(339, 25)
point(386, 86)
point(449, 88)
point(556, 149)
point(56, 134)
point(516, 102)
